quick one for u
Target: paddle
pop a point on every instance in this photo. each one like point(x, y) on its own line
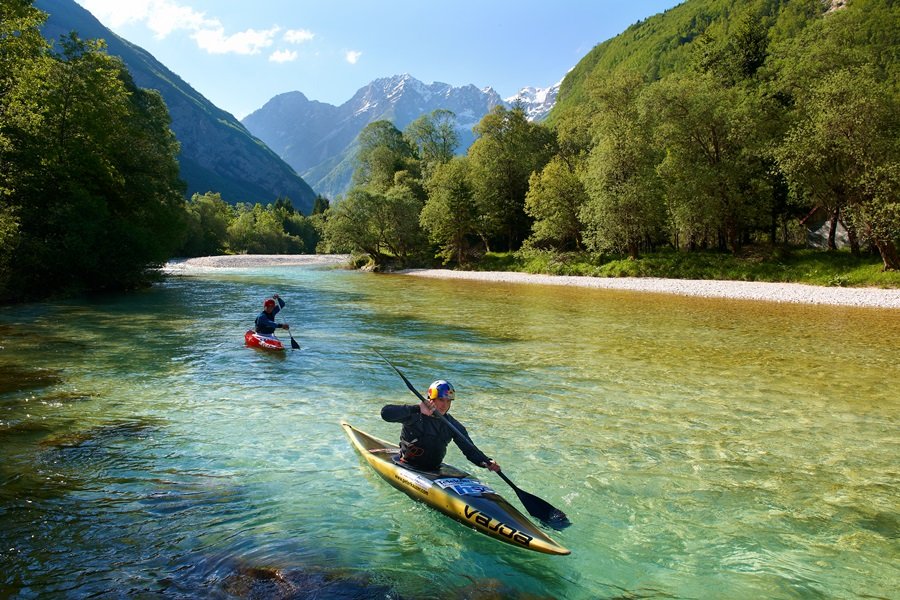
point(536, 507)
point(294, 343)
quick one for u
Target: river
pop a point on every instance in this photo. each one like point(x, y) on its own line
point(700, 447)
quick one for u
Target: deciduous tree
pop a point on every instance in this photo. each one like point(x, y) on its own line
point(449, 214)
point(508, 150)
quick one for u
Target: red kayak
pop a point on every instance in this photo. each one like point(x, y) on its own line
point(263, 342)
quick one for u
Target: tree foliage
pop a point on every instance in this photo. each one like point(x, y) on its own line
point(449, 216)
point(554, 200)
point(91, 196)
point(716, 124)
point(383, 152)
point(434, 137)
point(624, 211)
point(380, 224)
point(216, 227)
point(508, 150)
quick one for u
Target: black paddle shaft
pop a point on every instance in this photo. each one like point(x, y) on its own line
point(294, 344)
point(536, 507)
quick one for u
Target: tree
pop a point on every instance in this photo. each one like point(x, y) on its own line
point(320, 205)
point(554, 200)
point(383, 151)
point(260, 230)
point(303, 231)
point(624, 209)
point(845, 154)
point(434, 136)
point(449, 214)
point(208, 219)
point(24, 63)
point(742, 54)
point(713, 173)
point(379, 224)
point(97, 195)
point(840, 77)
point(508, 150)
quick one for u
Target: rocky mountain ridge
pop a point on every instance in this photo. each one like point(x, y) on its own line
point(318, 139)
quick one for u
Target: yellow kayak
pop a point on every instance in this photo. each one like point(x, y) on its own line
point(454, 493)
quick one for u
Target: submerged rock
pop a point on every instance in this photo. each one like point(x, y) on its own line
point(268, 582)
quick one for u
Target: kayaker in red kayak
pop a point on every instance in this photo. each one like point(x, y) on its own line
point(265, 322)
point(424, 438)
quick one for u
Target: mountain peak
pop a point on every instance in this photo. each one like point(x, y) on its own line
point(537, 102)
point(320, 144)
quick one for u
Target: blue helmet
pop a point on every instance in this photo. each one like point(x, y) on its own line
point(441, 389)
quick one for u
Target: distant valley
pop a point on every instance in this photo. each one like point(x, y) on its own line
point(292, 147)
point(318, 139)
point(217, 152)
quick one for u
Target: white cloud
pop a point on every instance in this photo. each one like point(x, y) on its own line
point(166, 16)
point(352, 56)
point(298, 36)
point(162, 17)
point(283, 56)
point(116, 13)
point(251, 41)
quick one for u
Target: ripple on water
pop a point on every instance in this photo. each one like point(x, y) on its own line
point(697, 446)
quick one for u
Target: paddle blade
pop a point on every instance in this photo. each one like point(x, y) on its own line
point(294, 343)
point(538, 508)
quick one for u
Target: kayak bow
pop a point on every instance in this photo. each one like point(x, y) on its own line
point(264, 342)
point(454, 493)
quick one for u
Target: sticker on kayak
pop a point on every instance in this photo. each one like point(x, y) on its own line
point(465, 487)
point(423, 484)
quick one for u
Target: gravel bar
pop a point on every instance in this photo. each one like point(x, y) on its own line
point(795, 293)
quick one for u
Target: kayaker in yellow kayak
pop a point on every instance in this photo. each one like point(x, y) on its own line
point(425, 437)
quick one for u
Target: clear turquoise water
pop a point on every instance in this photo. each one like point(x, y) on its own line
point(701, 448)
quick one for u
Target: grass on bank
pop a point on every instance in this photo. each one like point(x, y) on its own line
point(814, 267)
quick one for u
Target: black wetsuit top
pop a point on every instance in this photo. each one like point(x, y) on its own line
point(424, 439)
point(266, 324)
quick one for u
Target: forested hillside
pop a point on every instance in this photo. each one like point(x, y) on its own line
point(715, 125)
point(217, 153)
point(89, 187)
point(91, 195)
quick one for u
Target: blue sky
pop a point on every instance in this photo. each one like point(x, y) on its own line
point(239, 53)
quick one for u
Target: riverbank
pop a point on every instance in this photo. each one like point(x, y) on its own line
point(248, 261)
point(794, 293)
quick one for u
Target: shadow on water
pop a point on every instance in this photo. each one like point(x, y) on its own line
point(247, 581)
point(19, 378)
point(101, 437)
point(412, 329)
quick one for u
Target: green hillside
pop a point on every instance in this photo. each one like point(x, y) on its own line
point(218, 154)
point(665, 43)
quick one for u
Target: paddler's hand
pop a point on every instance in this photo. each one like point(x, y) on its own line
point(285, 326)
point(275, 296)
point(427, 407)
point(492, 466)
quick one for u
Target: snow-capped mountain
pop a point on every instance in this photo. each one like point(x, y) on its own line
point(537, 102)
point(318, 139)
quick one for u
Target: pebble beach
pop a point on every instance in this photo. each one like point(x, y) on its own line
point(794, 293)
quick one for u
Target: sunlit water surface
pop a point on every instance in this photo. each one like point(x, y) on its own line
point(701, 448)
